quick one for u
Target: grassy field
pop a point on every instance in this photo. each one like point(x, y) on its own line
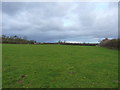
point(59, 66)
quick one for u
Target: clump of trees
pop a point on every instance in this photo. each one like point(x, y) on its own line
point(15, 40)
point(60, 42)
point(113, 43)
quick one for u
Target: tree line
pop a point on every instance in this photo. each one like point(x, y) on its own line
point(15, 40)
point(108, 43)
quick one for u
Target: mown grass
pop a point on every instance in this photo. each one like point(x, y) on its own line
point(59, 66)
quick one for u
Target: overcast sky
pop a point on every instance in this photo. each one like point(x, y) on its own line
point(53, 21)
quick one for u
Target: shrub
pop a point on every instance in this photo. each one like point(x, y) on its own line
point(114, 43)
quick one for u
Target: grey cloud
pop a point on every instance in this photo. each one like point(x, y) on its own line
point(11, 8)
point(55, 21)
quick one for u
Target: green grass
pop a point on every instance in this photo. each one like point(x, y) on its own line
point(0, 66)
point(59, 66)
